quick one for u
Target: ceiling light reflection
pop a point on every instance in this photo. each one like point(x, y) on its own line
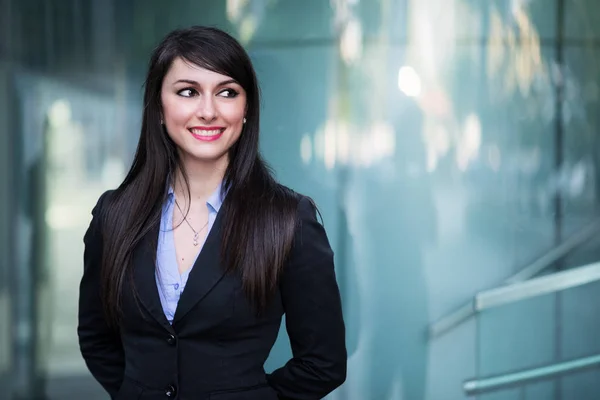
point(409, 81)
point(336, 144)
point(247, 28)
point(351, 41)
point(59, 113)
point(234, 9)
point(467, 148)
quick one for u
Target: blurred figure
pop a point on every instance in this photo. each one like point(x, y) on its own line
point(398, 220)
point(401, 221)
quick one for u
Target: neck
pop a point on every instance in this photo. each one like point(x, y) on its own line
point(203, 178)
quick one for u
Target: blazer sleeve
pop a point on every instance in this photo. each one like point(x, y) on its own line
point(313, 309)
point(100, 345)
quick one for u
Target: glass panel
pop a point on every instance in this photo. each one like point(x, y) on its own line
point(517, 336)
point(583, 385)
point(490, 19)
point(293, 115)
point(5, 235)
point(586, 254)
point(579, 179)
point(579, 327)
point(541, 390)
point(82, 161)
point(533, 391)
point(85, 156)
point(582, 20)
point(282, 23)
point(540, 331)
point(507, 394)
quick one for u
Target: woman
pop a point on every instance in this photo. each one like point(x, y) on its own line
point(191, 263)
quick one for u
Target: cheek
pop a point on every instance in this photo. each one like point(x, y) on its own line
point(176, 115)
point(176, 112)
point(234, 115)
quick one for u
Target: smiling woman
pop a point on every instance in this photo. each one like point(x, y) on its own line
point(192, 261)
point(202, 105)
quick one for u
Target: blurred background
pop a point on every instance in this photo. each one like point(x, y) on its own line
point(453, 147)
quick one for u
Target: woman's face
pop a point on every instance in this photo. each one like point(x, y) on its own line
point(203, 111)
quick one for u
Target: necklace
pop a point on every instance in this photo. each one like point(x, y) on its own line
point(196, 234)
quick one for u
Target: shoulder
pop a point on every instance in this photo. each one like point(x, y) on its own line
point(104, 199)
point(98, 217)
point(304, 205)
point(100, 208)
point(310, 237)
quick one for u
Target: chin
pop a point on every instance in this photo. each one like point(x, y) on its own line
point(210, 152)
point(206, 156)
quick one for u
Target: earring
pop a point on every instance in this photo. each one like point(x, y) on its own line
point(244, 120)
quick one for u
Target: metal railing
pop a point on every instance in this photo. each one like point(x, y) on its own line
point(490, 384)
point(538, 286)
point(469, 309)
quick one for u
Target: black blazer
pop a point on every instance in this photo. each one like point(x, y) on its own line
point(216, 347)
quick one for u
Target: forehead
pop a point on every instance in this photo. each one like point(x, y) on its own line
point(182, 69)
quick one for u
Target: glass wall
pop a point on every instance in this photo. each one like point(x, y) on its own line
point(5, 248)
point(448, 144)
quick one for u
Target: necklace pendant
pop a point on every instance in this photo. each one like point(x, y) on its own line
point(195, 239)
point(195, 243)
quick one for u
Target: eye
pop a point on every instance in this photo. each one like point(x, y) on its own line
point(187, 92)
point(229, 93)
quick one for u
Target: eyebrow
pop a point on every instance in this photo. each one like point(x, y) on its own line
point(192, 82)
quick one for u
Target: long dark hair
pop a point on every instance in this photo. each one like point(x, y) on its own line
point(259, 215)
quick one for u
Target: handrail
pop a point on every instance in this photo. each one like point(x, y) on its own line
point(537, 286)
point(547, 260)
point(453, 319)
point(469, 309)
point(493, 383)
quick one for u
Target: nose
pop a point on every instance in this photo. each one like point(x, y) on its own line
point(206, 109)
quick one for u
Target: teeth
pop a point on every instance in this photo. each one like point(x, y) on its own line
point(205, 132)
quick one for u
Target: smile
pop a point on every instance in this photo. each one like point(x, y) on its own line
point(208, 134)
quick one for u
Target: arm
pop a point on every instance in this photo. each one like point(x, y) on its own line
point(100, 346)
point(314, 321)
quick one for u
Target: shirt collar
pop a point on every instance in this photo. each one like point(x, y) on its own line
point(215, 200)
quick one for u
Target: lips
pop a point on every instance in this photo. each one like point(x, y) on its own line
point(207, 134)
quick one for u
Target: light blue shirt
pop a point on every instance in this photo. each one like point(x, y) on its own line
point(169, 282)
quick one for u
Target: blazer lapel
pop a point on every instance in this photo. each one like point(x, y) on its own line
point(205, 274)
point(144, 274)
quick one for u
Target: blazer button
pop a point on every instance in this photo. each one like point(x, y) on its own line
point(171, 391)
point(171, 340)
